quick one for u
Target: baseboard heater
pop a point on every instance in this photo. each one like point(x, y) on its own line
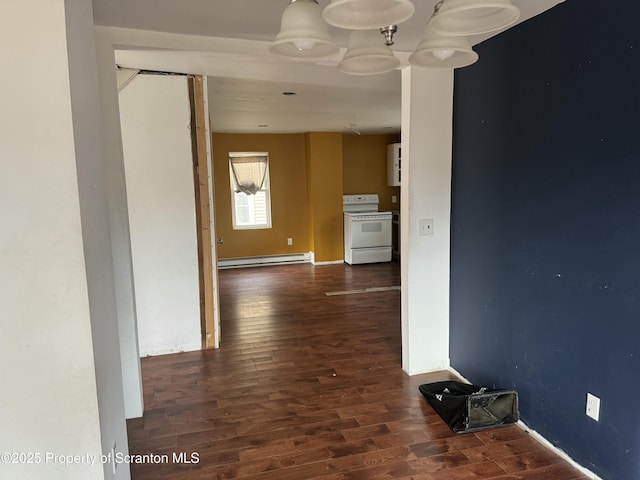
point(263, 260)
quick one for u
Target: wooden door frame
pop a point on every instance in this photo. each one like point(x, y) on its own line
point(205, 219)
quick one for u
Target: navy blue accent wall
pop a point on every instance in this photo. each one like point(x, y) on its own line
point(545, 263)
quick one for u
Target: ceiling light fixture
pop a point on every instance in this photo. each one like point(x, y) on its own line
point(367, 14)
point(303, 33)
point(437, 50)
point(388, 33)
point(368, 54)
point(472, 17)
point(441, 51)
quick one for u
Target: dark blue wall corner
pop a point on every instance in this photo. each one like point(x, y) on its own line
point(545, 233)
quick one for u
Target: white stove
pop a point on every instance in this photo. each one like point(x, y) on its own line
point(367, 232)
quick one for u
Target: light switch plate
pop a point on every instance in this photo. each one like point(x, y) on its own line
point(425, 226)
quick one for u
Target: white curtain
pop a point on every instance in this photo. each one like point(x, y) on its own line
point(249, 172)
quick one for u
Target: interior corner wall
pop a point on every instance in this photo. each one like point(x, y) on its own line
point(287, 174)
point(155, 117)
point(545, 296)
point(119, 228)
point(364, 159)
point(94, 211)
point(427, 107)
point(309, 202)
point(364, 170)
point(57, 290)
point(324, 186)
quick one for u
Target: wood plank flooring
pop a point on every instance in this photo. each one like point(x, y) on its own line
point(309, 386)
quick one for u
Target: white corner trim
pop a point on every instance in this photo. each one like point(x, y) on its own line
point(333, 262)
point(459, 375)
point(312, 259)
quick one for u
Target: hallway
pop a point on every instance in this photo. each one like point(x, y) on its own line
point(309, 386)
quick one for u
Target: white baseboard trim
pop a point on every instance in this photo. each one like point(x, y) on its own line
point(459, 375)
point(263, 260)
point(167, 350)
point(543, 441)
point(585, 471)
point(312, 257)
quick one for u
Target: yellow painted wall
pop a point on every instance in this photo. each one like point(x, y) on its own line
point(324, 184)
point(309, 174)
point(364, 160)
point(287, 171)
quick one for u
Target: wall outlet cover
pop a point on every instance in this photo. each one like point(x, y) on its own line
point(593, 407)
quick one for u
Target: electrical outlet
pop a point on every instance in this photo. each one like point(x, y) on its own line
point(394, 199)
point(289, 241)
point(593, 407)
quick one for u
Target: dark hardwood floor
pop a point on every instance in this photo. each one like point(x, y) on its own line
point(309, 386)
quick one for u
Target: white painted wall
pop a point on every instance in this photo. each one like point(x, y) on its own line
point(119, 229)
point(60, 384)
point(427, 114)
point(155, 118)
point(87, 134)
point(426, 125)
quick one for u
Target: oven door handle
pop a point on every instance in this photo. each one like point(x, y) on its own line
point(370, 218)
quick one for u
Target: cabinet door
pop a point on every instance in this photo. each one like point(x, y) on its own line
point(394, 164)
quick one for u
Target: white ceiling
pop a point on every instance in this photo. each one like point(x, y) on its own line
point(228, 39)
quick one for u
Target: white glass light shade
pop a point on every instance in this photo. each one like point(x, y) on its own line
point(441, 51)
point(303, 33)
point(473, 17)
point(367, 14)
point(367, 54)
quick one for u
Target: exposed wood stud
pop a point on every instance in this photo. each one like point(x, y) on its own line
point(201, 172)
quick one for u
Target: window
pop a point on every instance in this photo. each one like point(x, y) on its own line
point(250, 196)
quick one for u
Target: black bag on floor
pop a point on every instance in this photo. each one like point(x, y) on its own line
point(469, 408)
